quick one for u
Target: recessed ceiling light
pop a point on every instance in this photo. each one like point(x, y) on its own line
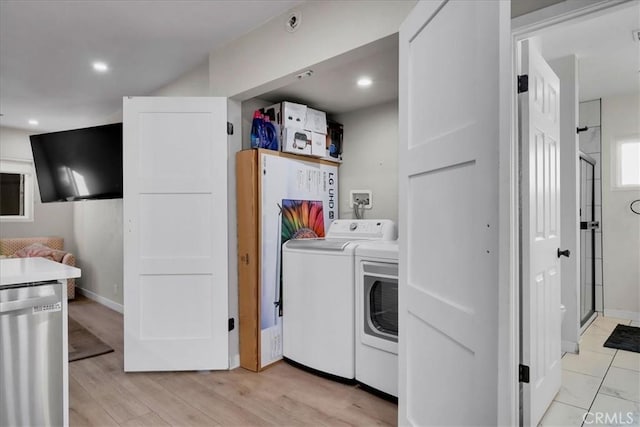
point(364, 82)
point(33, 122)
point(100, 67)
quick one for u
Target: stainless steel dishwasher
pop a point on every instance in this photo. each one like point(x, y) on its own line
point(31, 355)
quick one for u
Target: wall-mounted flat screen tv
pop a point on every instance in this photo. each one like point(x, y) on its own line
point(79, 164)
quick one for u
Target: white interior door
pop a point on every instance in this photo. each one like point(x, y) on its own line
point(540, 150)
point(448, 172)
point(175, 237)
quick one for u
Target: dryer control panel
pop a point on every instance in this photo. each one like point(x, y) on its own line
point(362, 229)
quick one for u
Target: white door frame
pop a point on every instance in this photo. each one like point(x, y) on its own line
point(523, 27)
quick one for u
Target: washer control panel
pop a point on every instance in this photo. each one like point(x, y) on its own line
point(362, 229)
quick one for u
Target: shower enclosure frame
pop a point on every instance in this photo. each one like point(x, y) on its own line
point(589, 226)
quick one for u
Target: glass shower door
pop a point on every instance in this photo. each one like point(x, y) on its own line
point(588, 227)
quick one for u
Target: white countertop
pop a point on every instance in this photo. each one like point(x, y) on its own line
point(27, 270)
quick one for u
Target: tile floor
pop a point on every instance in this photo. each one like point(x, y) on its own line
point(600, 381)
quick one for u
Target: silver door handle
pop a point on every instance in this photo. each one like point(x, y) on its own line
point(8, 306)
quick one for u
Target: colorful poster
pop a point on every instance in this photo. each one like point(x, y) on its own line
point(301, 219)
point(299, 199)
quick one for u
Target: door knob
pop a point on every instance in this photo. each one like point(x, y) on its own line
point(563, 253)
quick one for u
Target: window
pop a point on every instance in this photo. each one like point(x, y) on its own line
point(16, 190)
point(626, 163)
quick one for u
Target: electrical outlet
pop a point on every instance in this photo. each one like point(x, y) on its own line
point(361, 198)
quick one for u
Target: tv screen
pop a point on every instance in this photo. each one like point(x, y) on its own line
point(79, 164)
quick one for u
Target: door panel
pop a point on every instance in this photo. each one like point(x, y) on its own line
point(188, 252)
point(448, 166)
point(541, 323)
point(166, 162)
point(435, 41)
point(158, 323)
point(175, 240)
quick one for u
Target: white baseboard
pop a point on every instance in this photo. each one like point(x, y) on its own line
point(234, 361)
point(621, 314)
point(569, 347)
point(101, 300)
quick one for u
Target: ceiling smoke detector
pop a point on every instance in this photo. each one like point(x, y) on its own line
point(293, 21)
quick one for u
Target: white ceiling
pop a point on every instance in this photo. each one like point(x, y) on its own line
point(46, 50)
point(47, 47)
point(333, 86)
point(608, 56)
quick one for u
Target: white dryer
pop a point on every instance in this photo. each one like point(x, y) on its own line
point(377, 316)
point(318, 295)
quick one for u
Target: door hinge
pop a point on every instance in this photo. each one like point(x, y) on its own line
point(232, 324)
point(523, 83)
point(229, 128)
point(523, 373)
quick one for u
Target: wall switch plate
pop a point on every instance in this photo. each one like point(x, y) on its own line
point(361, 197)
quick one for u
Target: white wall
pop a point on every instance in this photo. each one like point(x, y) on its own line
point(370, 154)
point(97, 229)
point(192, 83)
point(621, 233)
point(49, 219)
point(269, 56)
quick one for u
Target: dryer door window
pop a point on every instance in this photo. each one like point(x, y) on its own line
point(383, 300)
point(381, 307)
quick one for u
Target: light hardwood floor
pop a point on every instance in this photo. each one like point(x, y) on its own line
point(101, 394)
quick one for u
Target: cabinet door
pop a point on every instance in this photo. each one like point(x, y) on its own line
point(175, 234)
point(449, 109)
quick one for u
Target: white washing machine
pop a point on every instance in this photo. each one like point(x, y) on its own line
point(377, 316)
point(318, 293)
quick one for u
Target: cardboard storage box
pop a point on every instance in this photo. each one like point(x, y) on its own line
point(296, 141)
point(315, 127)
point(319, 145)
point(316, 121)
point(294, 116)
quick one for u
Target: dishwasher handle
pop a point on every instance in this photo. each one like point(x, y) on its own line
point(20, 304)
